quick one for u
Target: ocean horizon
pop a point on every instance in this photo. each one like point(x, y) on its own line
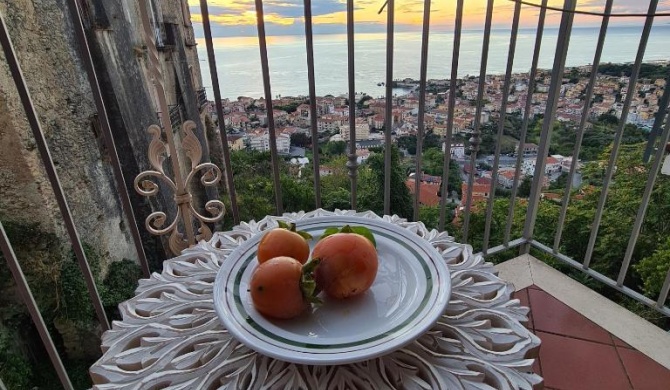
point(239, 66)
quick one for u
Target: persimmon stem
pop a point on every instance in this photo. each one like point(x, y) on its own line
point(307, 283)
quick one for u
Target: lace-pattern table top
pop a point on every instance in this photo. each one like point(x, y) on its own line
point(170, 336)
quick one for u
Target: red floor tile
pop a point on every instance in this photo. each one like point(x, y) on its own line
point(522, 295)
point(553, 316)
point(644, 373)
point(537, 368)
point(620, 343)
point(572, 364)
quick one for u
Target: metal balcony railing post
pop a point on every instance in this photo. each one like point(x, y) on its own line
point(180, 183)
point(663, 296)
point(211, 57)
point(501, 126)
point(31, 305)
point(50, 169)
point(658, 306)
point(620, 130)
point(390, 10)
point(649, 187)
point(582, 124)
point(352, 164)
point(108, 137)
point(453, 84)
point(475, 139)
point(309, 43)
point(562, 44)
point(418, 176)
point(526, 119)
point(262, 43)
point(658, 122)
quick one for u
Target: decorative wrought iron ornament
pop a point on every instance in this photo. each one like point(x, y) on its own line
point(159, 151)
point(186, 212)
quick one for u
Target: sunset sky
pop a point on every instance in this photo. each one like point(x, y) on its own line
point(285, 17)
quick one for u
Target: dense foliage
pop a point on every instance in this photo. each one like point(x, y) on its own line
point(60, 291)
point(651, 256)
point(647, 70)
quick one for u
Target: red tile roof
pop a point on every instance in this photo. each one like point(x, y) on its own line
point(428, 193)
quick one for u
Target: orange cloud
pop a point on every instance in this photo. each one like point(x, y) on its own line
point(407, 12)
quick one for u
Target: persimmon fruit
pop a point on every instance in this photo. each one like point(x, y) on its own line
point(284, 241)
point(282, 287)
point(347, 264)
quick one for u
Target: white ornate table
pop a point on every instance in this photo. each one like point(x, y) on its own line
point(171, 337)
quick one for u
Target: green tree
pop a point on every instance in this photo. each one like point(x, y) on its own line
point(653, 268)
point(560, 183)
point(433, 164)
point(335, 148)
point(301, 140)
point(525, 186)
point(361, 103)
point(372, 186)
point(430, 215)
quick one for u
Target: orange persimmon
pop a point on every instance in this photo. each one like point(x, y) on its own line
point(275, 288)
point(284, 241)
point(347, 264)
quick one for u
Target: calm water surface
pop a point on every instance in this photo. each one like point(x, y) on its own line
point(239, 67)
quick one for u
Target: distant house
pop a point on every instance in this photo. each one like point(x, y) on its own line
point(362, 155)
point(362, 130)
point(457, 150)
point(428, 192)
point(370, 143)
point(236, 142)
point(325, 170)
point(527, 149)
point(480, 192)
point(506, 178)
point(261, 142)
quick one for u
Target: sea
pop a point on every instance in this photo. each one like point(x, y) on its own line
point(239, 66)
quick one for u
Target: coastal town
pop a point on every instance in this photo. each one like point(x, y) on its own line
point(246, 123)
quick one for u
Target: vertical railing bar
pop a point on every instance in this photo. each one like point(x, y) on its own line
point(501, 125)
point(312, 101)
point(262, 43)
point(475, 139)
point(422, 106)
point(642, 210)
point(658, 122)
point(601, 278)
point(50, 169)
point(108, 138)
point(663, 296)
point(214, 74)
point(560, 55)
point(582, 124)
point(526, 119)
point(33, 309)
point(352, 164)
point(390, 9)
point(453, 84)
point(595, 226)
point(156, 73)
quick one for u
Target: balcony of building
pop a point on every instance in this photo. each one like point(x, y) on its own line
point(583, 241)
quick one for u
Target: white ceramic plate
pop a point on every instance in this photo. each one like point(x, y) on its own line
point(409, 294)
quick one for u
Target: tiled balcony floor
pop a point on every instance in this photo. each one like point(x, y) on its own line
point(576, 353)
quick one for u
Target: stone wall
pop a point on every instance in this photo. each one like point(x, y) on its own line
point(43, 38)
